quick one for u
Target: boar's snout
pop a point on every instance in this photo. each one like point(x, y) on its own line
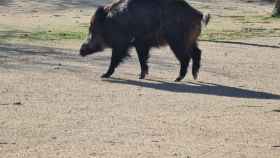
point(91, 47)
point(84, 50)
point(88, 48)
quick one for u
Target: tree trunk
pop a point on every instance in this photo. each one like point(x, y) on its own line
point(276, 11)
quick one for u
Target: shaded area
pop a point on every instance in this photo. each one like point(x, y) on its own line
point(62, 4)
point(18, 50)
point(5, 2)
point(276, 110)
point(28, 57)
point(21, 49)
point(38, 58)
point(199, 88)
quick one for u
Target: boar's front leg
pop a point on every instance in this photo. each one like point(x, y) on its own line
point(118, 54)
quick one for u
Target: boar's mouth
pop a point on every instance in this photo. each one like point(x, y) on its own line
point(86, 49)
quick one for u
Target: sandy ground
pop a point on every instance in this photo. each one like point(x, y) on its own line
point(53, 103)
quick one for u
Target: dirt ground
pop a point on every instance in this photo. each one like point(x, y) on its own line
point(53, 102)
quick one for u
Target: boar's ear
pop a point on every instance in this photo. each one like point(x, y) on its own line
point(100, 14)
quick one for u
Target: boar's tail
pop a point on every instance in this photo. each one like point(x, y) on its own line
point(205, 20)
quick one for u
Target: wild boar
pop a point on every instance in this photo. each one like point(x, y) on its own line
point(144, 24)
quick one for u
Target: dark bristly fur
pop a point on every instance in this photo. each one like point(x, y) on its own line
point(144, 24)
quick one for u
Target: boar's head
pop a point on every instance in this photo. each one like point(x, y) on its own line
point(95, 41)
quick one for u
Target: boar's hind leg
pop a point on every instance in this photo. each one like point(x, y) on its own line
point(196, 57)
point(117, 57)
point(143, 56)
point(180, 50)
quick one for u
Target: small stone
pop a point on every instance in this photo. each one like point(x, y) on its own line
point(17, 103)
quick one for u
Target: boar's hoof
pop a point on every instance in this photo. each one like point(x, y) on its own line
point(195, 76)
point(179, 79)
point(106, 75)
point(143, 74)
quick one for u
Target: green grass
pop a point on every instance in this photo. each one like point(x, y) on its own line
point(10, 33)
point(244, 33)
point(50, 35)
point(234, 27)
point(57, 35)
